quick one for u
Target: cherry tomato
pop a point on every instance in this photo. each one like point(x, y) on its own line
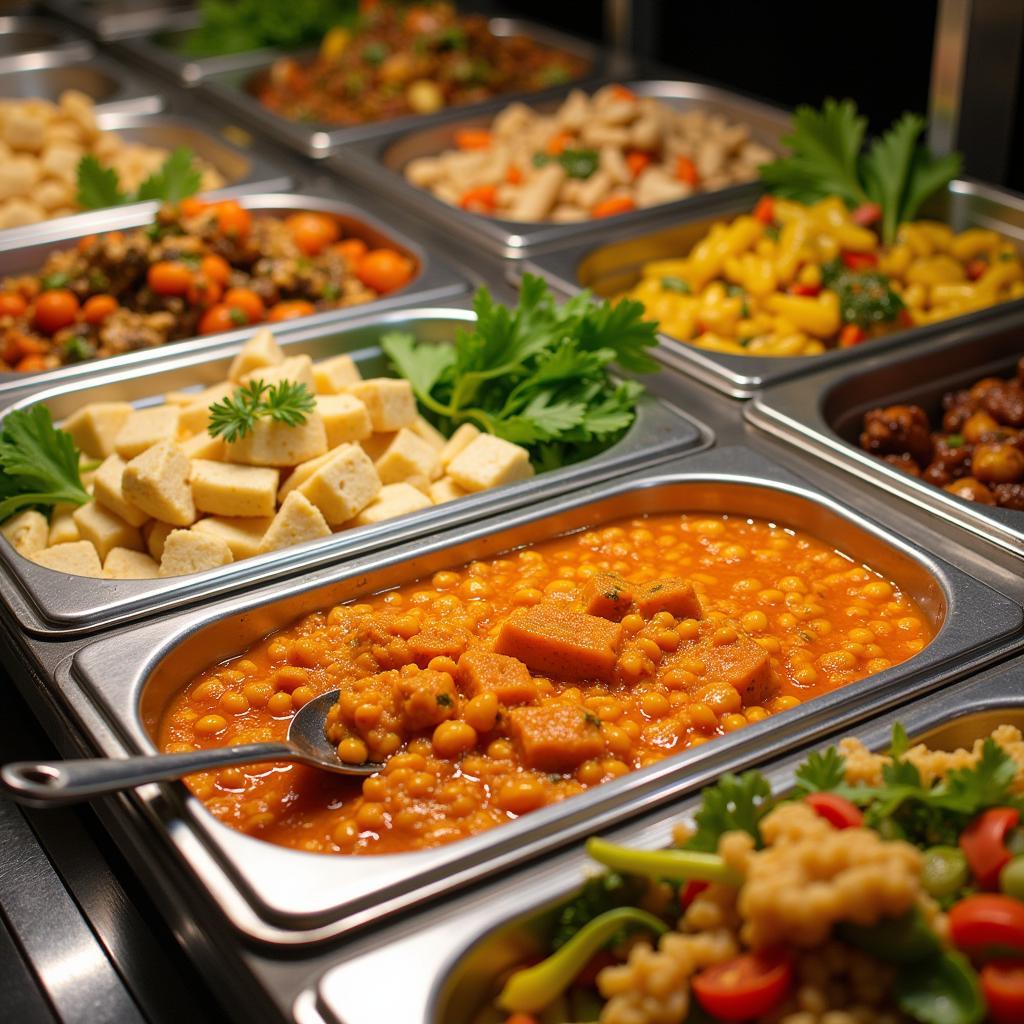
point(98, 308)
point(746, 986)
point(12, 304)
point(851, 335)
point(232, 219)
point(204, 292)
point(867, 214)
point(1002, 983)
point(384, 270)
point(222, 318)
point(248, 302)
point(473, 138)
point(613, 206)
point(836, 810)
point(984, 844)
point(859, 260)
point(353, 249)
point(290, 310)
point(686, 171)
point(312, 232)
point(55, 309)
point(976, 269)
point(637, 160)
point(169, 278)
point(480, 199)
point(690, 892)
point(764, 211)
point(987, 922)
point(216, 268)
point(809, 291)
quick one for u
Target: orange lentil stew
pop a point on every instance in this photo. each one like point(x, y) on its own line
point(512, 683)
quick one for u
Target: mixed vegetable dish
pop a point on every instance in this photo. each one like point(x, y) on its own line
point(882, 888)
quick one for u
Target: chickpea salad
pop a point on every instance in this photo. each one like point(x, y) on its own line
point(884, 888)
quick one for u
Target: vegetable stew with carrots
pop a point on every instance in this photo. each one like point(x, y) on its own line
point(200, 268)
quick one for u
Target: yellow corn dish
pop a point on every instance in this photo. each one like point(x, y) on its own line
point(794, 279)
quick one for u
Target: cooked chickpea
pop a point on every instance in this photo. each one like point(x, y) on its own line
point(210, 725)
point(353, 751)
point(454, 738)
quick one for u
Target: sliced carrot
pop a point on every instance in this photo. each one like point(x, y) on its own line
point(765, 210)
point(851, 335)
point(686, 171)
point(612, 206)
point(473, 138)
point(620, 92)
point(480, 199)
point(558, 143)
point(192, 207)
point(637, 160)
point(31, 364)
point(514, 176)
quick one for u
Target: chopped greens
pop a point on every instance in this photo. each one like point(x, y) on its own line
point(866, 297)
point(578, 163)
point(99, 186)
point(599, 893)
point(734, 803)
point(536, 375)
point(287, 402)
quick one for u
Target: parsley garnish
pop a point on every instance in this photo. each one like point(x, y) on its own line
point(99, 187)
point(578, 163)
point(734, 803)
point(38, 463)
point(287, 402)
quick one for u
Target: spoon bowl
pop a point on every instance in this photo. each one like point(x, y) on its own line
point(62, 782)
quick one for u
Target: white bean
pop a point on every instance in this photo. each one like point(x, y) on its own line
point(574, 111)
point(614, 164)
point(538, 194)
point(424, 171)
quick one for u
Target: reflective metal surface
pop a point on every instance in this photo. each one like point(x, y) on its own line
point(112, 19)
point(28, 42)
point(286, 896)
point(823, 414)
point(615, 266)
point(380, 161)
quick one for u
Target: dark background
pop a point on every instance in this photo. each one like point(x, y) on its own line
point(878, 52)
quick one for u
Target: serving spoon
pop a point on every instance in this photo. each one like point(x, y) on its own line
point(65, 782)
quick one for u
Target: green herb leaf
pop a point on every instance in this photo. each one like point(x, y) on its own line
point(288, 402)
point(734, 803)
point(943, 989)
point(177, 179)
point(420, 364)
point(98, 186)
point(676, 284)
point(886, 168)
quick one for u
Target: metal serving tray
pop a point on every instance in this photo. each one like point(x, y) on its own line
point(23, 250)
point(823, 413)
point(112, 19)
point(615, 266)
point(29, 42)
point(380, 162)
point(285, 896)
point(449, 973)
point(48, 602)
point(110, 86)
point(231, 89)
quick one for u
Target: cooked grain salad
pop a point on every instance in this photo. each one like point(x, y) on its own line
point(505, 685)
point(884, 888)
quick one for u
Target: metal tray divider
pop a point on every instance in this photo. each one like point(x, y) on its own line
point(67, 46)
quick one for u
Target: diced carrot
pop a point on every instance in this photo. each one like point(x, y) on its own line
point(686, 171)
point(31, 364)
point(672, 595)
point(558, 143)
point(612, 206)
point(480, 199)
point(473, 138)
point(637, 160)
point(851, 335)
point(560, 643)
point(29, 345)
point(513, 176)
point(764, 211)
point(191, 206)
point(507, 678)
point(608, 595)
point(439, 639)
point(557, 737)
point(621, 92)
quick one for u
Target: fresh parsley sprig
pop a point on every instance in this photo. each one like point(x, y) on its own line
point(288, 402)
point(536, 375)
point(38, 463)
point(99, 187)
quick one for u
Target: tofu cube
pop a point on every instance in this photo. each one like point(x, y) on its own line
point(393, 500)
point(108, 490)
point(78, 558)
point(28, 531)
point(333, 375)
point(202, 446)
point(391, 402)
point(429, 433)
point(242, 535)
point(420, 482)
point(446, 489)
point(558, 737)
point(122, 564)
point(407, 455)
point(481, 671)
point(455, 444)
point(179, 397)
point(377, 444)
point(440, 639)
point(302, 472)
point(294, 368)
point(158, 482)
point(194, 418)
point(343, 486)
point(608, 595)
point(259, 351)
point(145, 427)
point(224, 489)
point(95, 427)
point(672, 595)
point(345, 419)
point(155, 534)
point(489, 461)
point(186, 551)
point(63, 528)
point(742, 664)
point(106, 531)
point(297, 521)
point(270, 443)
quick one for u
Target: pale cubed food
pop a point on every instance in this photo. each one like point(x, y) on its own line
point(28, 531)
point(304, 471)
point(390, 402)
point(297, 521)
point(224, 489)
point(241, 534)
point(343, 486)
point(270, 443)
point(158, 482)
point(420, 482)
point(407, 455)
point(377, 444)
point(63, 528)
point(180, 397)
point(105, 530)
point(393, 500)
point(333, 375)
point(108, 490)
point(78, 558)
point(95, 427)
point(345, 419)
point(195, 417)
point(429, 433)
point(123, 564)
point(259, 351)
point(488, 461)
point(202, 446)
point(457, 442)
point(186, 551)
point(294, 368)
point(155, 534)
point(145, 427)
point(446, 489)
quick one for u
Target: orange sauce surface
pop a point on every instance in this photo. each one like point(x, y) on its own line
point(782, 618)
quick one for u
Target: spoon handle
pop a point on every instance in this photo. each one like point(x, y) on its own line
point(64, 782)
